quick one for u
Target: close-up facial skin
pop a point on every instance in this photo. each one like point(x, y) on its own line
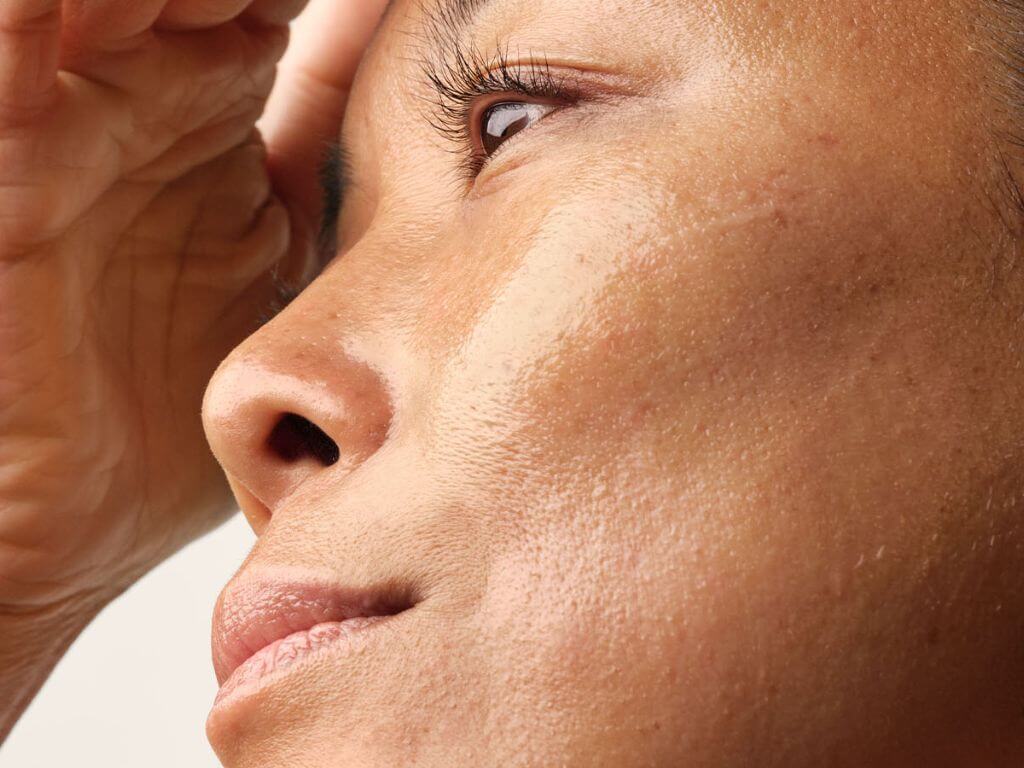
point(663, 401)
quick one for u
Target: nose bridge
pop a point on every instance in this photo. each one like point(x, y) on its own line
point(290, 405)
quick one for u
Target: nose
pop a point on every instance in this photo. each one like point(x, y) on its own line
point(280, 413)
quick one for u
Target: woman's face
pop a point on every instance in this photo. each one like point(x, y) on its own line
point(679, 398)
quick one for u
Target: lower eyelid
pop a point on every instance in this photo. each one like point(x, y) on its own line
point(531, 130)
point(479, 122)
point(581, 106)
point(514, 155)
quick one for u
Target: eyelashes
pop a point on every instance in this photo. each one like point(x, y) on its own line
point(462, 81)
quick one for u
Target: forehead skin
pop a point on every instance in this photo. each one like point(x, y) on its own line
point(705, 442)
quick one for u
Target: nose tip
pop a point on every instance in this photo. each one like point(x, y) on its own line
point(277, 420)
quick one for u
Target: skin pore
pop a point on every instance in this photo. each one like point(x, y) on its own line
point(691, 416)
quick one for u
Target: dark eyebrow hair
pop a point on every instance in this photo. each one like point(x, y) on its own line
point(453, 16)
point(335, 177)
point(456, 15)
point(465, 8)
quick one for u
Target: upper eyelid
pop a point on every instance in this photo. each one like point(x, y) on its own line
point(458, 74)
point(458, 81)
point(467, 72)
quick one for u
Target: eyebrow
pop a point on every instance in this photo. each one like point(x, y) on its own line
point(464, 10)
point(335, 178)
point(454, 16)
point(462, 7)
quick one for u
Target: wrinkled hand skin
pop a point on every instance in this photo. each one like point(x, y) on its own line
point(140, 240)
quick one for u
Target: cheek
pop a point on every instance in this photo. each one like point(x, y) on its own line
point(737, 429)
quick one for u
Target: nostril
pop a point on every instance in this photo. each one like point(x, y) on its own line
point(296, 438)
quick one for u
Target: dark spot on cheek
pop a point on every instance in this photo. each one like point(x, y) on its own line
point(826, 139)
point(933, 635)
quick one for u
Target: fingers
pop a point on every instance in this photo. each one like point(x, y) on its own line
point(29, 53)
point(305, 110)
point(275, 11)
point(189, 14)
point(193, 14)
point(92, 23)
point(36, 34)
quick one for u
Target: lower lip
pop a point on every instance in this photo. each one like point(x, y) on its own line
point(270, 662)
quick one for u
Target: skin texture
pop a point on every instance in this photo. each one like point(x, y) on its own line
point(144, 227)
point(693, 420)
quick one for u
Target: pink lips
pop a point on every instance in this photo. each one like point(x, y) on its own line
point(263, 626)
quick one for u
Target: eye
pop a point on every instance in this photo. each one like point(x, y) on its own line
point(502, 121)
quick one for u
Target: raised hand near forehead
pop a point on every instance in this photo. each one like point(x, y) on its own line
point(144, 227)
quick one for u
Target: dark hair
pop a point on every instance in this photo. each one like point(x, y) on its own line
point(1003, 31)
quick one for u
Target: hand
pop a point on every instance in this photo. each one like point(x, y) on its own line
point(141, 236)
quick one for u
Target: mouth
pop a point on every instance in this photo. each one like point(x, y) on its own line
point(262, 626)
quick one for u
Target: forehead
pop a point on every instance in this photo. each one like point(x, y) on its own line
point(755, 23)
point(933, 50)
point(905, 72)
point(938, 50)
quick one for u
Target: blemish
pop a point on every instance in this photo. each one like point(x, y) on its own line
point(826, 139)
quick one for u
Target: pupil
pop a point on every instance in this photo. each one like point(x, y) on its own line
point(503, 121)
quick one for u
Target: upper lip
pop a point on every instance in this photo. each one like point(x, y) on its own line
point(255, 612)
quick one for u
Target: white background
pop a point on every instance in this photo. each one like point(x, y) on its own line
point(135, 688)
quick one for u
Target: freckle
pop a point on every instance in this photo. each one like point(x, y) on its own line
point(827, 139)
point(780, 218)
